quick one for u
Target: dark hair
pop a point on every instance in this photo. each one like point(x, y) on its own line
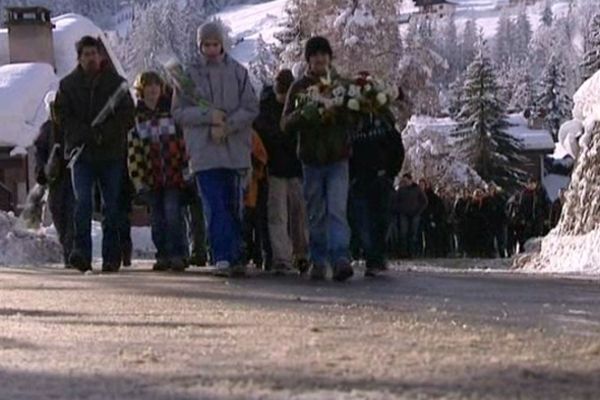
point(283, 81)
point(145, 79)
point(317, 45)
point(407, 176)
point(87, 41)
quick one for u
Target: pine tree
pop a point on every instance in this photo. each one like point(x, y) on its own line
point(547, 14)
point(553, 99)
point(481, 127)
point(264, 67)
point(523, 93)
point(522, 36)
point(504, 43)
point(468, 44)
point(449, 48)
point(591, 59)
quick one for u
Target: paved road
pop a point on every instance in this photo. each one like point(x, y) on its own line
point(417, 334)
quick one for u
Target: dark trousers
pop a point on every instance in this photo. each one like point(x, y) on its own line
point(368, 216)
point(410, 235)
point(61, 202)
point(167, 224)
point(109, 177)
point(257, 243)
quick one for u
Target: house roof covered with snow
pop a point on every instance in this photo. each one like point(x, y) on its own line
point(23, 88)
point(531, 139)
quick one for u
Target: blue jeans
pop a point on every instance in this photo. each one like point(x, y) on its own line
point(369, 216)
point(109, 177)
point(168, 232)
point(326, 193)
point(221, 191)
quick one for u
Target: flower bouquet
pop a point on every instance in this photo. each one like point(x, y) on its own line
point(324, 101)
point(180, 79)
point(368, 95)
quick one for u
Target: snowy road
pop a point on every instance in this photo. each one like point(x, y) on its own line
point(423, 334)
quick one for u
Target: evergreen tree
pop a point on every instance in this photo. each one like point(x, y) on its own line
point(504, 43)
point(591, 59)
point(481, 127)
point(522, 36)
point(468, 44)
point(523, 93)
point(449, 48)
point(547, 14)
point(553, 99)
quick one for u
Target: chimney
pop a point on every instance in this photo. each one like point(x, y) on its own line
point(30, 37)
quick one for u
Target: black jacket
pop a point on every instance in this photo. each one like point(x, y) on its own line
point(79, 99)
point(410, 200)
point(376, 147)
point(281, 148)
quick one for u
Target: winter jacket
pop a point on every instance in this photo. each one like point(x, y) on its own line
point(260, 160)
point(319, 143)
point(435, 213)
point(376, 148)
point(533, 207)
point(156, 149)
point(410, 200)
point(226, 86)
point(281, 148)
point(496, 209)
point(79, 100)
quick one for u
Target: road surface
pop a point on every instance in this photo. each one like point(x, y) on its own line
point(413, 334)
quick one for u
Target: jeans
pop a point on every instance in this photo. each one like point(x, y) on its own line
point(369, 212)
point(168, 232)
point(326, 193)
point(61, 203)
point(409, 235)
point(221, 191)
point(287, 220)
point(109, 177)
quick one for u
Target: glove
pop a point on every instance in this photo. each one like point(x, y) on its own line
point(218, 118)
point(218, 134)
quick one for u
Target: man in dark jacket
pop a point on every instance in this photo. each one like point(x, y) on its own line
point(324, 152)
point(434, 223)
point(51, 170)
point(286, 210)
point(377, 157)
point(409, 204)
point(498, 221)
point(102, 149)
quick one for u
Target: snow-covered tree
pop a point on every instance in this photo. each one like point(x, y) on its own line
point(264, 67)
point(481, 133)
point(522, 36)
point(553, 98)
point(449, 48)
point(468, 43)
point(591, 59)
point(547, 14)
point(523, 92)
point(296, 30)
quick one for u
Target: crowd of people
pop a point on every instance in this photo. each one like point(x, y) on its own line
point(232, 178)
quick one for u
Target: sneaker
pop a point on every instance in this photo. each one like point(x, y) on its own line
point(342, 271)
point(318, 272)
point(302, 265)
point(160, 265)
point(111, 267)
point(178, 264)
point(282, 269)
point(222, 269)
point(77, 261)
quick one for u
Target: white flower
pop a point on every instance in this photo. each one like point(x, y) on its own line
point(368, 87)
point(339, 91)
point(354, 105)
point(338, 101)
point(328, 103)
point(382, 99)
point(353, 91)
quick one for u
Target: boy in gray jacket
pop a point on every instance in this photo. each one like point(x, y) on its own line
point(218, 139)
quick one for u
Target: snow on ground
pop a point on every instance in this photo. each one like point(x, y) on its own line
point(249, 22)
point(143, 248)
point(20, 246)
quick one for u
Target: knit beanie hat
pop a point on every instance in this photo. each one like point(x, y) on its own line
point(317, 45)
point(212, 30)
point(283, 81)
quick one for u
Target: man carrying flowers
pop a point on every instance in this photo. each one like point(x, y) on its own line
point(315, 111)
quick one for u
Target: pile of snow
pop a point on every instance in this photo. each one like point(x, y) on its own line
point(429, 154)
point(20, 246)
point(572, 247)
point(143, 247)
point(23, 88)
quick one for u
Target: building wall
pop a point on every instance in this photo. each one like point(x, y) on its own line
point(31, 43)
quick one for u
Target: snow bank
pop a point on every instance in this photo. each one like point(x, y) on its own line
point(19, 246)
point(23, 88)
point(143, 248)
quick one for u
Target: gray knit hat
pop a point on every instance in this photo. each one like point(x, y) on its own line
point(212, 30)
